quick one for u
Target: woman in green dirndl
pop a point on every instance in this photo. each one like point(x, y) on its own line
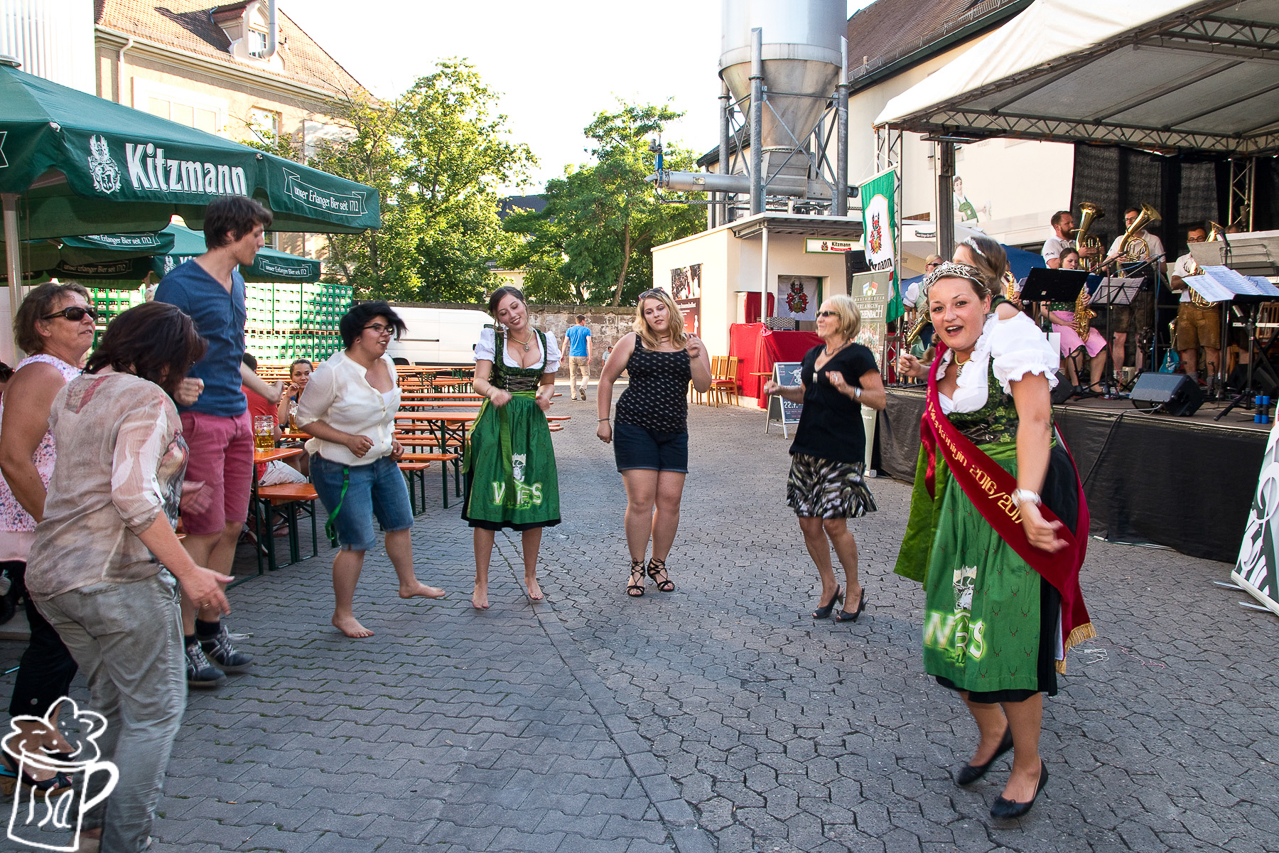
point(510, 463)
point(997, 528)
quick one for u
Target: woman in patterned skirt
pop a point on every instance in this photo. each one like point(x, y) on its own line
point(650, 443)
point(511, 479)
point(997, 529)
point(826, 486)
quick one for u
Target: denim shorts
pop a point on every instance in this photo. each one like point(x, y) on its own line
point(374, 489)
point(640, 447)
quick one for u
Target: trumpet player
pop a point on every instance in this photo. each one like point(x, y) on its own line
point(1073, 346)
point(1198, 323)
point(1140, 315)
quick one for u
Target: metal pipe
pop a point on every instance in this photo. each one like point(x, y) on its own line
point(271, 40)
point(119, 70)
point(841, 143)
point(725, 118)
point(763, 284)
point(713, 182)
point(757, 124)
point(13, 263)
point(946, 199)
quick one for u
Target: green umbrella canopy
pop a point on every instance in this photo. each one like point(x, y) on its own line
point(85, 165)
point(269, 265)
point(93, 255)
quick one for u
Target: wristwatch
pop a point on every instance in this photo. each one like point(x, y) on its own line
point(1021, 496)
point(857, 393)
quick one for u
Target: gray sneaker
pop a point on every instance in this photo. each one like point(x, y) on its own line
point(200, 673)
point(225, 655)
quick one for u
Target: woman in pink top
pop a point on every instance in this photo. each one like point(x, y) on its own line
point(54, 324)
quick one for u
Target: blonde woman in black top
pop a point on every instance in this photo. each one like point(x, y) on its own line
point(650, 440)
point(827, 486)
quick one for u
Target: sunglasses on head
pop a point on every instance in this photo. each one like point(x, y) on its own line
point(75, 314)
point(650, 294)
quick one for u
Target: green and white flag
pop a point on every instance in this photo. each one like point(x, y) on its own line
point(879, 223)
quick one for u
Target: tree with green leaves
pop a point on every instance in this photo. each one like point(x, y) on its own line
point(594, 239)
point(436, 155)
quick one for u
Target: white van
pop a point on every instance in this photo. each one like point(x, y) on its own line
point(443, 336)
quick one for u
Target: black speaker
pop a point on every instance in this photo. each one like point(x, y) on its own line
point(1177, 393)
point(1064, 389)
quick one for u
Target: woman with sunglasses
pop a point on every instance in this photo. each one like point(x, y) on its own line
point(511, 478)
point(827, 485)
point(650, 441)
point(997, 529)
point(349, 407)
point(55, 325)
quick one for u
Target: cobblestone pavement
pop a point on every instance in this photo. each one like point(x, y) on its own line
point(718, 717)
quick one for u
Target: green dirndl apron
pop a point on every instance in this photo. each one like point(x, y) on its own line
point(510, 461)
point(982, 600)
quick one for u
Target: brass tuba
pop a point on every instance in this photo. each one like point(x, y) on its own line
point(1089, 214)
point(1215, 231)
point(1133, 247)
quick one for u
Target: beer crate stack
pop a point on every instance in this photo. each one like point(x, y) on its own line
point(284, 321)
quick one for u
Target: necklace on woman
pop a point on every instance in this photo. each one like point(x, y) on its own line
point(525, 344)
point(829, 353)
point(961, 364)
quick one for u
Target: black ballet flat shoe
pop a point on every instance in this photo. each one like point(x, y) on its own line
point(845, 616)
point(970, 773)
point(823, 612)
point(1009, 809)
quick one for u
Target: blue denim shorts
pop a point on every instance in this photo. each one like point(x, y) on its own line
point(640, 447)
point(374, 489)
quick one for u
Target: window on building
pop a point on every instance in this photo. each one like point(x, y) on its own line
point(265, 124)
point(180, 105)
point(257, 44)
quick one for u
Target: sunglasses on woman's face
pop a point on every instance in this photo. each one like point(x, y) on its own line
point(74, 313)
point(827, 313)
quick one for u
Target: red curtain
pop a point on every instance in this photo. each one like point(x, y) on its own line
point(757, 348)
point(752, 306)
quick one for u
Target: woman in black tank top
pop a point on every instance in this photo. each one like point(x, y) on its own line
point(651, 438)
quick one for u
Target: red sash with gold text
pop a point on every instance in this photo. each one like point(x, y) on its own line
point(989, 487)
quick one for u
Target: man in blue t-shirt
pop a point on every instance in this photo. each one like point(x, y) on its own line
point(577, 346)
point(216, 425)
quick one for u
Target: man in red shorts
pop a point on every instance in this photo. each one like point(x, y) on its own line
point(216, 426)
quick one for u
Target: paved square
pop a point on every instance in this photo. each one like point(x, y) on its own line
point(718, 717)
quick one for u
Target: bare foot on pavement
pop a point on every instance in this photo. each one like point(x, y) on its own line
point(421, 591)
point(350, 626)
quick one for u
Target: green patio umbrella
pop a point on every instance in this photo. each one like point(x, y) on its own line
point(269, 265)
point(74, 164)
point(92, 256)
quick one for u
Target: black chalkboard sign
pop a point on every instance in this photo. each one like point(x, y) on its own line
point(780, 410)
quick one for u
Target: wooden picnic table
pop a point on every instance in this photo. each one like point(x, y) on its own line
point(261, 457)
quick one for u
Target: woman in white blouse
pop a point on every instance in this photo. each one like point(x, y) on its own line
point(349, 407)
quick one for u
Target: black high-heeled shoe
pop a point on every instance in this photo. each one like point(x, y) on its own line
point(55, 783)
point(823, 612)
point(845, 616)
point(635, 585)
point(970, 773)
point(658, 567)
point(1009, 809)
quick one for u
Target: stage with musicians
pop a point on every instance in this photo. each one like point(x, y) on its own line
point(1151, 478)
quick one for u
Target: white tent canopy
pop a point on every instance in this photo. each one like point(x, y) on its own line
point(1165, 75)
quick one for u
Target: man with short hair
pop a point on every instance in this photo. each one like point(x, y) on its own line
point(1197, 326)
point(217, 427)
point(577, 343)
point(1140, 315)
point(1063, 224)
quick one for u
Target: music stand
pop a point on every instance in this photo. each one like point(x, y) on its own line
point(1045, 285)
point(1222, 284)
point(1112, 291)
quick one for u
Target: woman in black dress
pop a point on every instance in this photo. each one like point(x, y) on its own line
point(827, 483)
point(651, 438)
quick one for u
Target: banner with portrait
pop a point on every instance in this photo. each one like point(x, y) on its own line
point(879, 237)
point(686, 282)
